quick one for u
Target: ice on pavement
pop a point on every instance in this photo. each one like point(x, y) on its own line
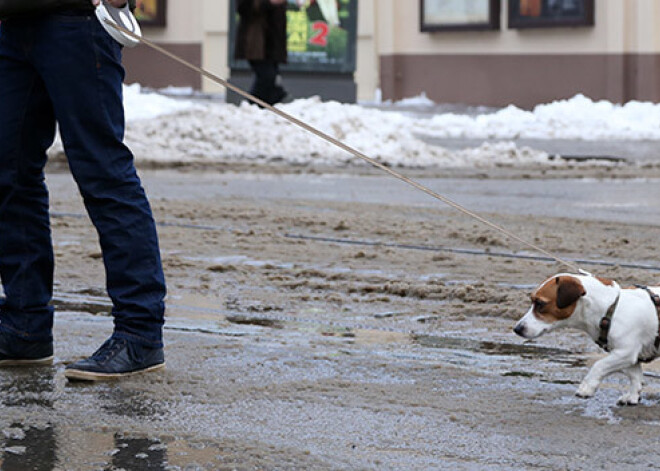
point(177, 130)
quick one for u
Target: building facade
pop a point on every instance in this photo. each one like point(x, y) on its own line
point(614, 56)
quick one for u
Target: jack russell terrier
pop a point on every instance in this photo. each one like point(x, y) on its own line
point(624, 322)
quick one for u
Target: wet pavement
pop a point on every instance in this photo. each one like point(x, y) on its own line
point(634, 200)
point(252, 395)
point(629, 201)
point(286, 353)
point(640, 152)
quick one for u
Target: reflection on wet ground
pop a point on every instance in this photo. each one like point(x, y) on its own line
point(49, 442)
point(527, 351)
point(138, 453)
point(28, 448)
point(46, 439)
point(51, 447)
point(48, 448)
point(213, 320)
point(346, 374)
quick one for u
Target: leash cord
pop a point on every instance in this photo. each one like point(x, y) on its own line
point(343, 146)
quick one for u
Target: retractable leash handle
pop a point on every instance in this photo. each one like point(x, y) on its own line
point(123, 17)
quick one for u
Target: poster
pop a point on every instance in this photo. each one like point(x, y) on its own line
point(151, 12)
point(459, 14)
point(545, 13)
point(321, 36)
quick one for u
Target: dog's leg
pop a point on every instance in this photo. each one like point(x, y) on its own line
point(635, 374)
point(615, 361)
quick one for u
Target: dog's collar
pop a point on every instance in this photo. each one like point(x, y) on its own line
point(605, 323)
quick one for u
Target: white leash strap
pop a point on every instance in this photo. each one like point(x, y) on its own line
point(345, 147)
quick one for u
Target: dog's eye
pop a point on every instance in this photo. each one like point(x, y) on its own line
point(539, 305)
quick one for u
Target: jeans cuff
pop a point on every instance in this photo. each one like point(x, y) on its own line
point(25, 335)
point(138, 339)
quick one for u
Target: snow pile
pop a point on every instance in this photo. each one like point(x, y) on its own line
point(420, 100)
point(577, 118)
point(174, 130)
point(139, 106)
point(221, 133)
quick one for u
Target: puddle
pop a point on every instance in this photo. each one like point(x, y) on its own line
point(378, 337)
point(258, 321)
point(560, 381)
point(648, 410)
point(49, 447)
point(240, 260)
point(81, 303)
point(523, 374)
point(457, 346)
point(53, 447)
point(603, 405)
point(138, 453)
point(535, 352)
point(526, 287)
point(210, 320)
point(28, 448)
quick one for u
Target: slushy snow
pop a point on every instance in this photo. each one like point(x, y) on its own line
point(161, 129)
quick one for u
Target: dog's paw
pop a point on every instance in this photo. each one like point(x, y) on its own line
point(628, 399)
point(585, 391)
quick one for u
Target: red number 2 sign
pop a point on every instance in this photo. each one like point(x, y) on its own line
point(320, 36)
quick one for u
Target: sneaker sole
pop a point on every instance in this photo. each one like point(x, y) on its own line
point(28, 362)
point(82, 375)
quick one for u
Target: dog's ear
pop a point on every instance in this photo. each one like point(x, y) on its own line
point(569, 290)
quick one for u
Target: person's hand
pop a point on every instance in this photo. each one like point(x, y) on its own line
point(114, 3)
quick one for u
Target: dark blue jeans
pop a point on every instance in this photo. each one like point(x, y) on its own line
point(67, 69)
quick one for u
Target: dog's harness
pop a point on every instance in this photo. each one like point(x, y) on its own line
point(606, 321)
point(656, 302)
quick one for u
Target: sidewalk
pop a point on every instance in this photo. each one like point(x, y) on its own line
point(640, 152)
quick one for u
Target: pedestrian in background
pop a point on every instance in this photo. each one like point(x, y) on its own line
point(261, 39)
point(58, 64)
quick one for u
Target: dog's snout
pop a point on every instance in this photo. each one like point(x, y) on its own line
point(519, 329)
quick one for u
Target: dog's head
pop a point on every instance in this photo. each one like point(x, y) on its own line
point(554, 301)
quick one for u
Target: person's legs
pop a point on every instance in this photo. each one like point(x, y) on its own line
point(280, 95)
point(27, 129)
point(81, 67)
point(264, 85)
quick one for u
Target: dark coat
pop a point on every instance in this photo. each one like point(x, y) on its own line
point(261, 32)
point(13, 8)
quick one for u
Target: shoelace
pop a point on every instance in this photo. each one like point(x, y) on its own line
point(108, 350)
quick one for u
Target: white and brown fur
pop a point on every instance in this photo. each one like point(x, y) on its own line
point(580, 302)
